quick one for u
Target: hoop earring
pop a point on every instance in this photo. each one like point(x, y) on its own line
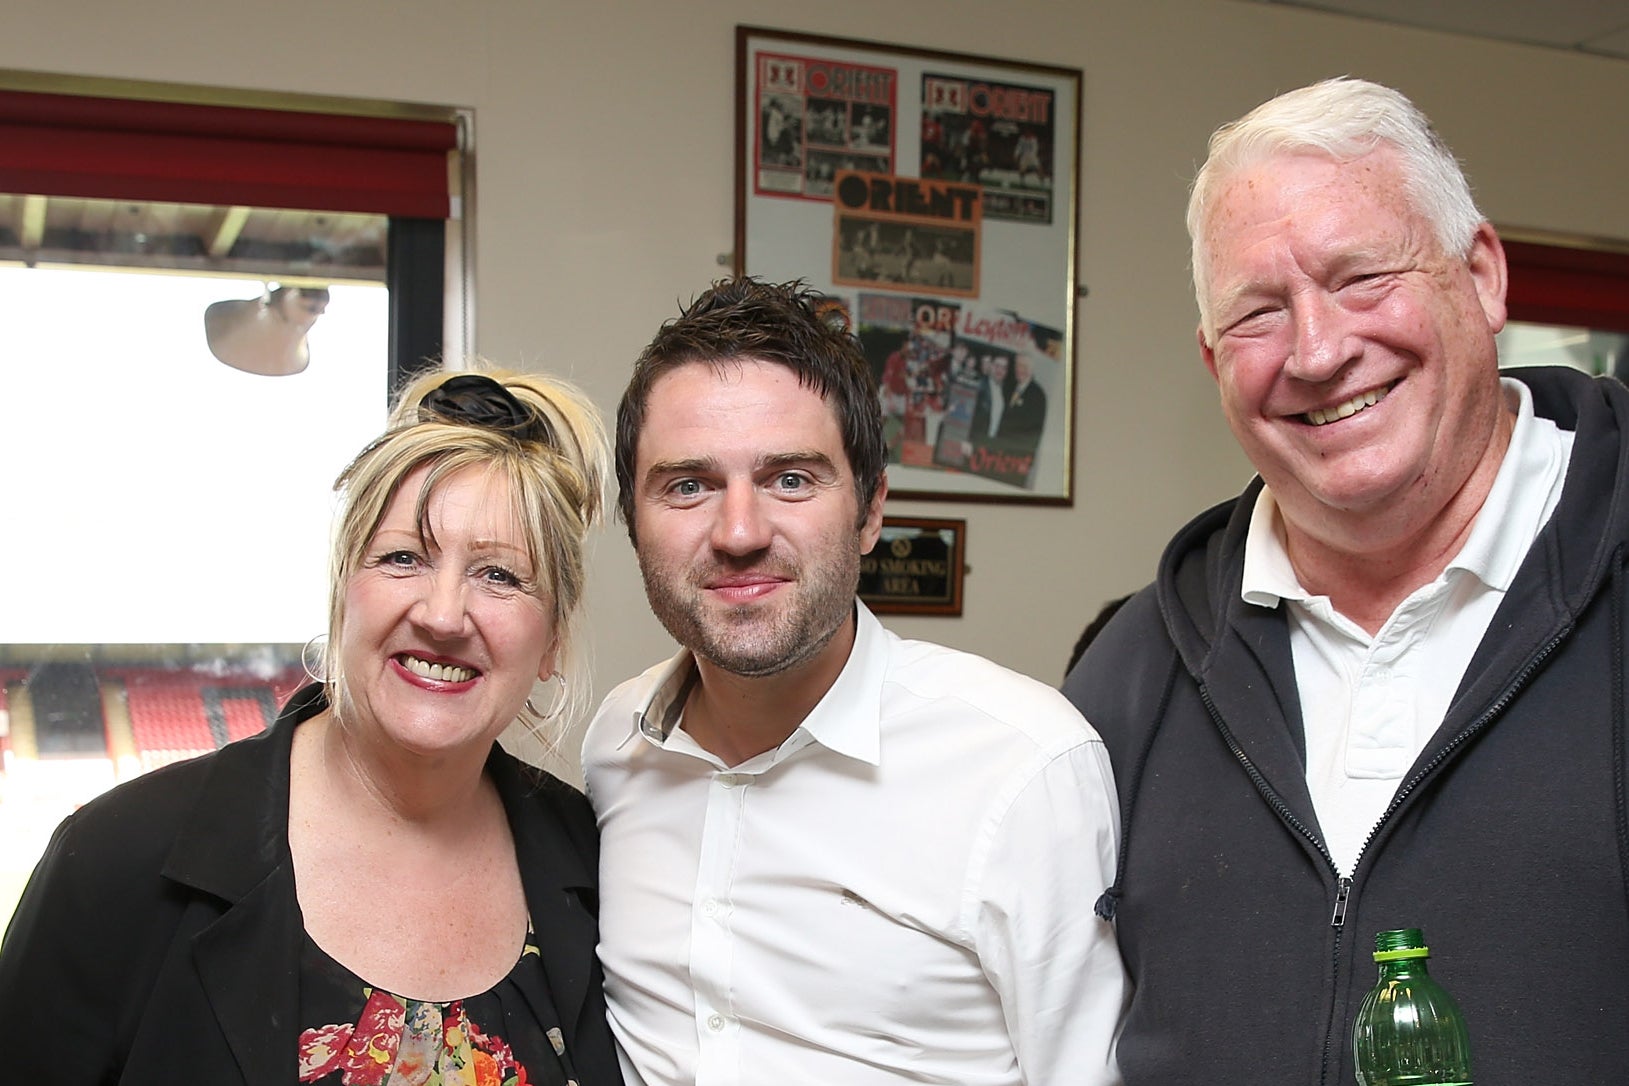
point(556, 708)
point(312, 658)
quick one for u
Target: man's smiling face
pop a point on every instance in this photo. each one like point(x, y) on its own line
point(1355, 359)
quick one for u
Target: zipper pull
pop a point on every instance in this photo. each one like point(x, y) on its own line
point(1343, 888)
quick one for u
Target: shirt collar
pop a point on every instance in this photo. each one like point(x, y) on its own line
point(1521, 498)
point(847, 721)
point(1504, 530)
point(657, 716)
point(1268, 576)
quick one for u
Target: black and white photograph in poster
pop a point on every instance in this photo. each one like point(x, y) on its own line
point(871, 252)
point(817, 116)
point(935, 195)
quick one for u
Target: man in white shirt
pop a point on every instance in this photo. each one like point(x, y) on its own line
point(828, 855)
point(1384, 687)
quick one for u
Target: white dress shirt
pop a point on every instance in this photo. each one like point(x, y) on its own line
point(1370, 704)
point(901, 892)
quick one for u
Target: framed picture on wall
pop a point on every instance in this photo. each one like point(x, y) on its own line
point(934, 194)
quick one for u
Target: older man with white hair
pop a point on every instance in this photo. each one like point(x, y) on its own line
point(1383, 688)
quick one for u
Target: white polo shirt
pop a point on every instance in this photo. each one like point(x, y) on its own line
point(1370, 704)
point(901, 892)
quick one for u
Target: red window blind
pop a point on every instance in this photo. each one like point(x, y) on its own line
point(1552, 284)
point(110, 148)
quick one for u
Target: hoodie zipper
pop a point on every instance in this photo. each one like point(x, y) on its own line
point(1343, 884)
point(1465, 734)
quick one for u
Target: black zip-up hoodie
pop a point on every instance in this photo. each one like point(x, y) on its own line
point(1507, 841)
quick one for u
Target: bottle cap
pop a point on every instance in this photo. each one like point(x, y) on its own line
point(1398, 955)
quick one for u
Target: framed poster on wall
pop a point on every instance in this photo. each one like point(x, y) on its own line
point(934, 194)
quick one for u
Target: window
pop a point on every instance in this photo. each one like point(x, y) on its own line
point(167, 517)
point(1568, 305)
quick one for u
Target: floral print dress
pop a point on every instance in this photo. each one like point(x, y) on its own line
point(365, 1036)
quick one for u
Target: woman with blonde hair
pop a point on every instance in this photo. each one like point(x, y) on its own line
point(371, 891)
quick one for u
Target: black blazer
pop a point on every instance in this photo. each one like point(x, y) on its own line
point(158, 940)
point(1025, 417)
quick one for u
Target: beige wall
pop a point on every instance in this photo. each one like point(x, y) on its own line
point(604, 164)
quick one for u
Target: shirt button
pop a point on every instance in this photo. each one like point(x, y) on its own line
point(710, 908)
point(715, 1022)
point(729, 780)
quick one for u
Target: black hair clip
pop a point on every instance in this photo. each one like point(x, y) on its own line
point(834, 315)
point(477, 400)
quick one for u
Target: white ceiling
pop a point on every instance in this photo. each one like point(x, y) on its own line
point(1600, 27)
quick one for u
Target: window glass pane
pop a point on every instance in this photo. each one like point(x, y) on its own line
point(166, 515)
point(1525, 344)
point(165, 484)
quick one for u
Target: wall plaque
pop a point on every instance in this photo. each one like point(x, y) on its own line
point(916, 567)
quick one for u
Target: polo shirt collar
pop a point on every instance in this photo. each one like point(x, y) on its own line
point(1509, 520)
point(1520, 500)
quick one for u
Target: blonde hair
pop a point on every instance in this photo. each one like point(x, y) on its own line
point(556, 475)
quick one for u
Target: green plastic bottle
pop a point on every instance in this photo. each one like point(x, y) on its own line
point(1409, 1031)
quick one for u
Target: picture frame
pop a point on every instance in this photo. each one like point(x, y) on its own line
point(935, 195)
point(918, 567)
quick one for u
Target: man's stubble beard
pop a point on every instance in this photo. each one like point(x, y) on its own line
point(757, 639)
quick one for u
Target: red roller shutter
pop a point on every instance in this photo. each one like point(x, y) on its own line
point(110, 148)
point(1584, 288)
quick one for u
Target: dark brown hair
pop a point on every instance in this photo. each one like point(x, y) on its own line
point(747, 320)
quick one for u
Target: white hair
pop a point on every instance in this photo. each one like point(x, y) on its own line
point(1344, 119)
